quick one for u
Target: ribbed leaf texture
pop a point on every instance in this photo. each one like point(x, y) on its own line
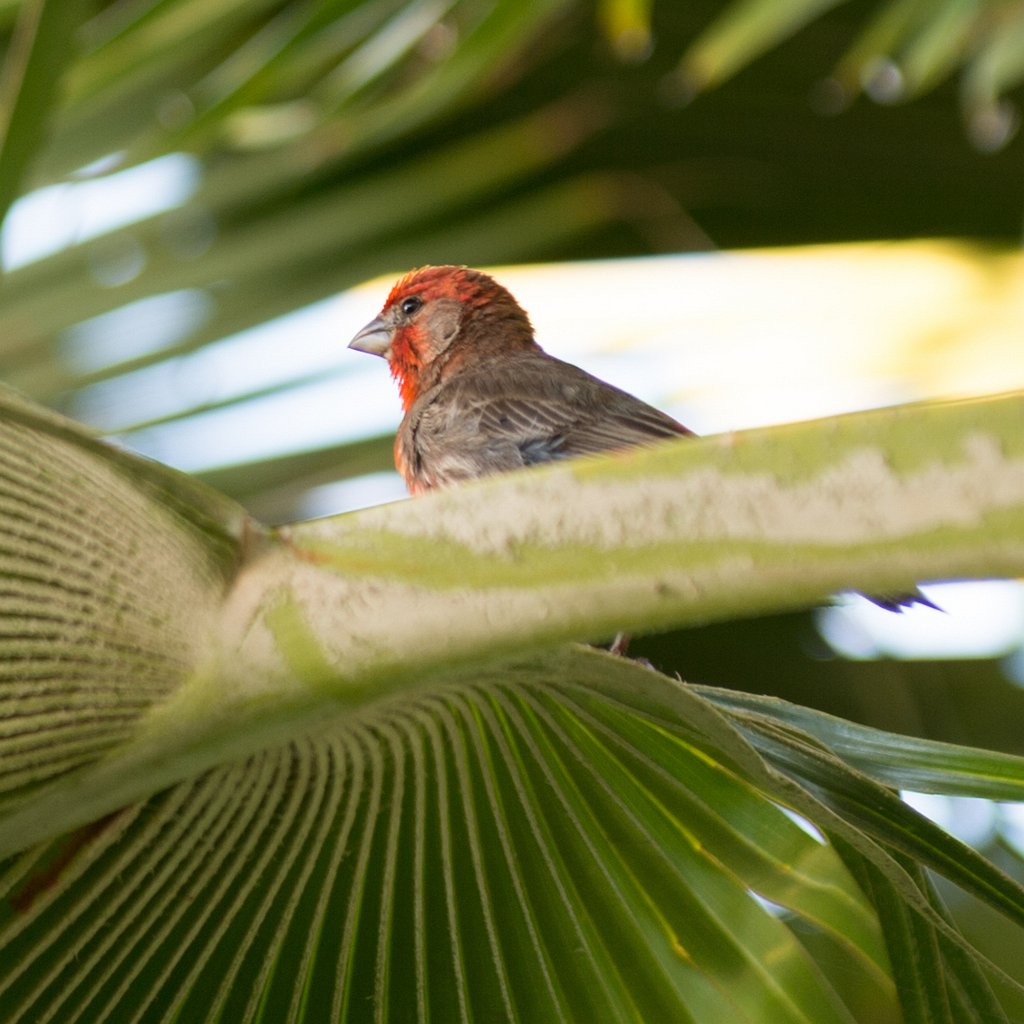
point(498, 852)
point(111, 576)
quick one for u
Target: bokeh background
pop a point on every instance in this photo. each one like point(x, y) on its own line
point(745, 212)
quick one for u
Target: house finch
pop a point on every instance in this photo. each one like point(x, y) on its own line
point(480, 396)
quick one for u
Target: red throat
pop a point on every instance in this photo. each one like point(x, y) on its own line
point(405, 365)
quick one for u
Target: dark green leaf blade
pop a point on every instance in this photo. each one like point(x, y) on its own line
point(907, 762)
point(42, 48)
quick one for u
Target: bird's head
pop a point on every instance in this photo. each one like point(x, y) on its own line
point(436, 319)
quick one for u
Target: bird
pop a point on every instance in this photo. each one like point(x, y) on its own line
point(480, 396)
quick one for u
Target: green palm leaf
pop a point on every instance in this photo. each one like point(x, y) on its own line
point(297, 823)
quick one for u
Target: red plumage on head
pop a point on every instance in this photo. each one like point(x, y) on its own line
point(493, 322)
point(471, 287)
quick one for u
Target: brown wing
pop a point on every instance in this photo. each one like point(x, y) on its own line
point(535, 408)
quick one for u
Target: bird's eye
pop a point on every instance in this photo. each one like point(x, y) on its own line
point(411, 304)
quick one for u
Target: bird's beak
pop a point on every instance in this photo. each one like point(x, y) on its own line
point(374, 338)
